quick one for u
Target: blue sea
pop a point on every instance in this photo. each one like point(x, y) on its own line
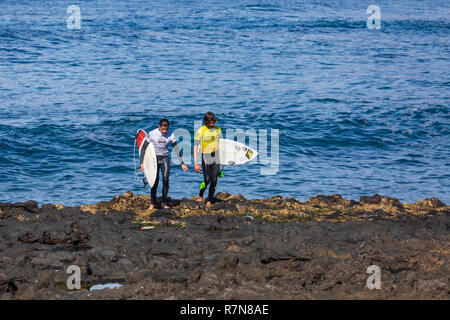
point(347, 109)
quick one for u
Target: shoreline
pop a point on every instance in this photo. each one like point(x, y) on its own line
point(273, 248)
point(332, 208)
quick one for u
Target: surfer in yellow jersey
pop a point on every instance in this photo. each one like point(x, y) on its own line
point(206, 140)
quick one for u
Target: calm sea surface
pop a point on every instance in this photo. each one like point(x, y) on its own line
point(359, 111)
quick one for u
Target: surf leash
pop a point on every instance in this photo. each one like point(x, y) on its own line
point(136, 171)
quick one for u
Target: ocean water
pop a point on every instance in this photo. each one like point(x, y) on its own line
point(358, 111)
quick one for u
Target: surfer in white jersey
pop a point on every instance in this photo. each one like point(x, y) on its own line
point(160, 138)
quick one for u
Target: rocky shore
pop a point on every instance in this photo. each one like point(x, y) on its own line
point(275, 248)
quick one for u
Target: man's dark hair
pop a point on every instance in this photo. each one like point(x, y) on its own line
point(163, 122)
point(208, 117)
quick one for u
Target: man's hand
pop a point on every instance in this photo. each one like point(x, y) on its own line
point(197, 167)
point(142, 167)
point(185, 167)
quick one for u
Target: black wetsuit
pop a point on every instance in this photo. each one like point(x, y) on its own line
point(164, 165)
point(210, 167)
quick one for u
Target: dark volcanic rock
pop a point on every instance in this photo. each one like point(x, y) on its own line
point(222, 205)
point(431, 203)
point(189, 204)
point(375, 199)
point(261, 206)
point(334, 199)
point(163, 213)
point(189, 253)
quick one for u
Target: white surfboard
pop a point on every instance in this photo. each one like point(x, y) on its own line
point(150, 163)
point(234, 153)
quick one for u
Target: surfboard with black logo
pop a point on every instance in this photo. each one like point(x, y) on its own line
point(235, 153)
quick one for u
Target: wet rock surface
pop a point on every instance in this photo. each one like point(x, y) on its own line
point(275, 248)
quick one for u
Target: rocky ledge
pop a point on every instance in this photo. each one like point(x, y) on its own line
point(275, 248)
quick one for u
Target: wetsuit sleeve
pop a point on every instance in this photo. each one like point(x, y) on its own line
point(177, 150)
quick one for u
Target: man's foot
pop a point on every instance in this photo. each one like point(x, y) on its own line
point(151, 207)
point(165, 206)
point(208, 203)
point(199, 199)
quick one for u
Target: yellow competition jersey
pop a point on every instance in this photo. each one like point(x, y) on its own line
point(208, 138)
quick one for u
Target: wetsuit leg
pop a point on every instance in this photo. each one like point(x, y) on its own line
point(155, 185)
point(165, 172)
point(206, 178)
point(210, 174)
point(213, 172)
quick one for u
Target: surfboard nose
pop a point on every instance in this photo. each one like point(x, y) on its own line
point(140, 136)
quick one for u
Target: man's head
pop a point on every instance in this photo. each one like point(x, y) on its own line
point(209, 119)
point(163, 125)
